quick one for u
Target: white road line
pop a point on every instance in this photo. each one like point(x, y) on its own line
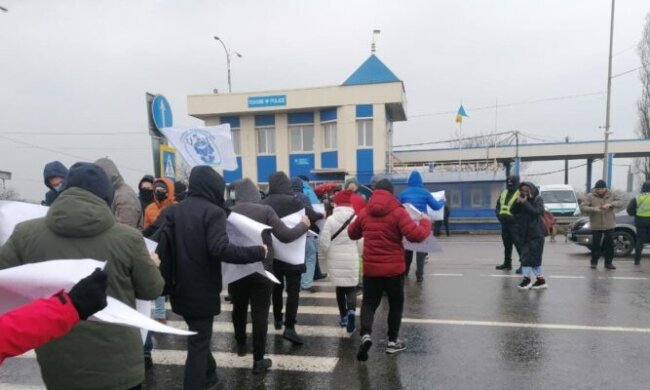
point(301, 309)
point(526, 325)
point(6, 386)
point(623, 277)
point(303, 330)
point(231, 360)
point(444, 274)
point(565, 277)
point(503, 275)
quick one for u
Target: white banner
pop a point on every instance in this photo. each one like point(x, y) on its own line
point(320, 208)
point(430, 245)
point(12, 213)
point(211, 146)
point(20, 285)
point(293, 252)
point(437, 215)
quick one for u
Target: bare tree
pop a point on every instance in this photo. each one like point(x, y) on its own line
point(9, 194)
point(642, 165)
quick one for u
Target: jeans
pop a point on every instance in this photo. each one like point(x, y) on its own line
point(159, 310)
point(255, 289)
point(419, 259)
point(293, 296)
point(310, 262)
point(602, 245)
point(532, 272)
point(510, 237)
point(346, 298)
point(642, 236)
point(373, 289)
point(200, 367)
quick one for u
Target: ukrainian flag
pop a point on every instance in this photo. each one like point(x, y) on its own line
point(461, 113)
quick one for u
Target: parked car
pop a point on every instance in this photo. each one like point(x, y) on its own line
point(624, 234)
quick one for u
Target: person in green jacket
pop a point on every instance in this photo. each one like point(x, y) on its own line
point(79, 225)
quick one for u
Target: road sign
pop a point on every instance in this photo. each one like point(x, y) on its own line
point(161, 112)
point(168, 161)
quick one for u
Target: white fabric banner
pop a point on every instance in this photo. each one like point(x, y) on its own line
point(293, 252)
point(430, 245)
point(211, 146)
point(244, 231)
point(437, 215)
point(20, 285)
point(12, 213)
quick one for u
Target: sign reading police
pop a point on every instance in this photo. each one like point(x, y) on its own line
point(267, 101)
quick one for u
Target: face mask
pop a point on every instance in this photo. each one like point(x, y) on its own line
point(146, 195)
point(58, 188)
point(161, 196)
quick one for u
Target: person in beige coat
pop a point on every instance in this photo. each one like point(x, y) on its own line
point(342, 257)
point(600, 206)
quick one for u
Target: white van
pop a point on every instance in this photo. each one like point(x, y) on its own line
point(560, 200)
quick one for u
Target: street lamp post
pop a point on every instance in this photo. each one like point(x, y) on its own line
point(606, 177)
point(228, 54)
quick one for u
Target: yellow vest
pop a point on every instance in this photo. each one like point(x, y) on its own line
point(505, 207)
point(643, 205)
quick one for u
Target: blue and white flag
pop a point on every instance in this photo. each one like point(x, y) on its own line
point(211, 146)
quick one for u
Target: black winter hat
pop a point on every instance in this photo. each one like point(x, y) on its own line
point(645, 188)
point(90, 177)
point(384, 184)
point(600, 184)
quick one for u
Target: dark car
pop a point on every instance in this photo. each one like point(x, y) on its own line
point(624, 234)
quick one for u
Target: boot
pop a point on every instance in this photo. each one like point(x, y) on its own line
point(610, 266)
point(506, 266)
point(291, 335)
point(261, 366)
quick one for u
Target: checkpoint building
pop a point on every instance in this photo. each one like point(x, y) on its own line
point(324, 133)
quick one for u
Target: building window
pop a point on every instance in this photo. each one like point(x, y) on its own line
point(364, 133)
point(329, 135)
point(477, 198)
point(454, 198)
point(301, 138)
point(265, 140)
point(236, 140)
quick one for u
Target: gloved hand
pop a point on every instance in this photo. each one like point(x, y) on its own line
point(89, 295)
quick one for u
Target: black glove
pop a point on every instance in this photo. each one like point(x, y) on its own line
point(89, 295)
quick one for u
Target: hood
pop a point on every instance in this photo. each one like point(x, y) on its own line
point(171, 192)
point(54, 169)
point(382, 203)
point(180, 191)
point(148, 178)
point(79, 213)
point(297, 185)
point(279, 183)
point(91, 178)
point(343, 197)
point(645, 188)
point(111, 171)
point(512, 182)
point(208, 184)
point(246, 191)
point(532, 186)
point(415, 179)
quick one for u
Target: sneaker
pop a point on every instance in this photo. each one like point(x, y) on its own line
point(321, 276)
point(227, 298)
point(262, 366)
point(504, 267)
point(311, 289)
point(610, 266)
point(395, 346)
point(278, 325)
point(539, 284)
point(518, 271)
point(419, 279)
point(291, 335)
point(343, 321)
point(364, 347)
point(526, 283)
point(242, 349)
point(350, 322)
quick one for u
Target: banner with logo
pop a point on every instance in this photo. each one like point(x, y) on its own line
point(211, 146)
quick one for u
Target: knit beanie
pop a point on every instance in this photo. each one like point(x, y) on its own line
point(600, 184)
point(92, 178)
point(384, 184)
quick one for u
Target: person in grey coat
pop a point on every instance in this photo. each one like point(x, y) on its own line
point(126, 205)
point(529, 207)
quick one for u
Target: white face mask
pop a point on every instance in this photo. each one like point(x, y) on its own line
point(58, 188)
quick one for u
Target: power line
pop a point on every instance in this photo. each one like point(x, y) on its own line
point(626, 72)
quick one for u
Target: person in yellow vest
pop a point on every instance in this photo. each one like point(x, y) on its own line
point(639, 207)
point(509, 233)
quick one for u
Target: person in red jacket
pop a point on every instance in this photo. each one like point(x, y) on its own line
point(382, 224)
point(43, 320)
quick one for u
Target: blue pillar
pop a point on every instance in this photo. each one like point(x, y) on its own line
point(610, 163)
point(589, 163)
point(517, 165)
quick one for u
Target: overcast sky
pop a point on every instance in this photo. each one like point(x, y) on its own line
point(83, 67)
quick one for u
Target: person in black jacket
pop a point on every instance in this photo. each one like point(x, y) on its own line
point(529, 208)
point(53, 175)
point(311, 248)
point(256, 288)
point(200, 245)
point(281, 199)
point(639, 207)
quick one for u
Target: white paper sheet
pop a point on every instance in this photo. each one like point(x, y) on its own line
point(293, 252)
point(319, 208)
point(151, 245)
point(243, 231)
point(437, 215)
point(233, 272)
point(12, 213)
point(22, 284)
point(430, 245)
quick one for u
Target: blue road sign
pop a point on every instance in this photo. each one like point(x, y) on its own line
point(161, 112)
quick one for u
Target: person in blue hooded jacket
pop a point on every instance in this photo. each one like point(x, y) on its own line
point(420, 197)
point(53, 175)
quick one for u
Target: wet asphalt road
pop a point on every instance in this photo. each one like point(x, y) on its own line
point(466, 327)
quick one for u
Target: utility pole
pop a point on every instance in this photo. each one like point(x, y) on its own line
point(228, 54)
point(517, 161)
point(606, 177)
point(566, 167)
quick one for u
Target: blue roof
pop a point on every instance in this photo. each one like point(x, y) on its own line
point(372, 71)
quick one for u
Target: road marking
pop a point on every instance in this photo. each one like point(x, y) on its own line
point(526, 325)
point(303, 330)
point(322, 284)
point(503, 275)
point(623, 277)
point(301, 309)
point(565, 277)
point(444, 274)
point(6, 386)
point(232, 360)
